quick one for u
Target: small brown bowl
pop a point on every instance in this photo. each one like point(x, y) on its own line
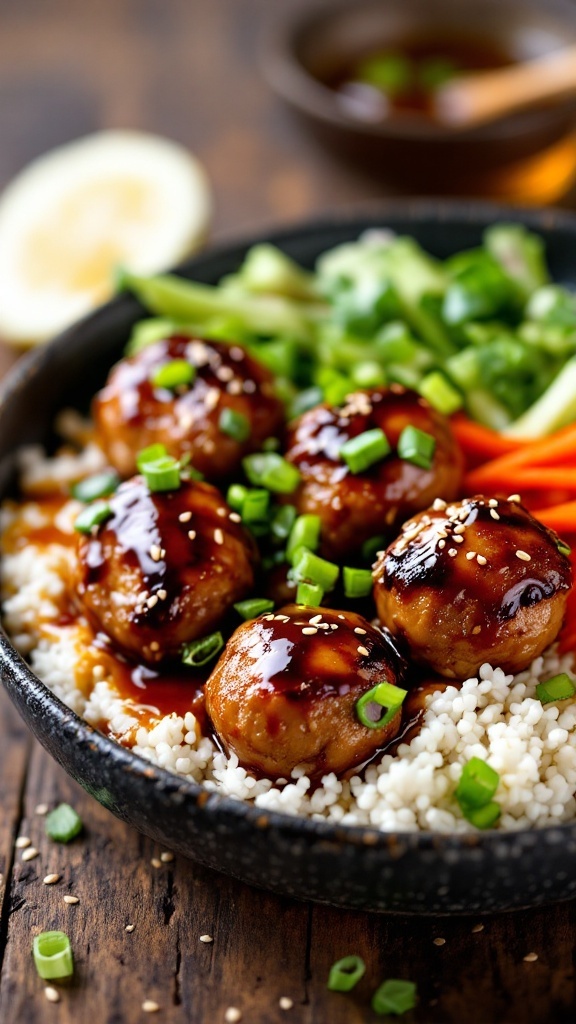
point(527, 157)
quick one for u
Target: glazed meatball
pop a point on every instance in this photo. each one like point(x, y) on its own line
point(477, 581)
point(283, 693)
point(163, 568)
point(132, 412)
point(356, 507)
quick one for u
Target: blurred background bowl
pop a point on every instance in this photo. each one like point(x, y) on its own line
point(529, 157)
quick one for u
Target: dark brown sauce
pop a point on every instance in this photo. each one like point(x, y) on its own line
point(399, 77)
point(164, 690)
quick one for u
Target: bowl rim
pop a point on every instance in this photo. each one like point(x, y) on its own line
point(17, 676)
point(291, 80)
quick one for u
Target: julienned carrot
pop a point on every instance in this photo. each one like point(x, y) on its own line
point(526, 478)
point(480, 441)
point(561, 518)
point(556, 450)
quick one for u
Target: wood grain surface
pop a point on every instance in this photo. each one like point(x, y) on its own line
point(189, 69)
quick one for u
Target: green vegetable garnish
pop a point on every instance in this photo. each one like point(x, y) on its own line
point(382, 696)
point(98, 486)
point(394, 996)
point(63, 824)
point(234, 424)
point(53, 955)
point(346, 973)
point(559, 687)
point(91, 516)
point(177, 373)
point(363, 451)
point(200, 652)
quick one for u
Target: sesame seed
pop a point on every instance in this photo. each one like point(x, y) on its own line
point(152, 601)
point(439, 505)
point(155, 550)
point(192, 534)
point(523, 556)
point(460, 528)
point(43, 808)
point(71, 900)
point(316, 619)
point(129, 927)
point(162, 595)
point(234, 387)
point(22, 842)
point(98, 672)
point(514, 497)
point(470, 555)
point(149, 1006)
point(441, 544)
point(481, 559)
point(51, 879)
point(452, 552)
point(530, 958)
point(477, 629)
point(222, 512)
point(185, 517)
point(30, 853)
point(285, 1003)
point(439, 942)
point(162, 552)
point(167, 857)
point(477, 928)
point(249, 387)
point(235, 518)
point(225, 373)
point(441, 533)
point(492, 503)
point(156, 863)
point(206, 938)
point(154, 645)
point(218, 536)
point(211, 398)
point(232, 1015)
point(363, 651)
point(236, 354)
point(359, 630)
point(52, 994)
point(494, 514)
point(309, 630)
point(458, 539)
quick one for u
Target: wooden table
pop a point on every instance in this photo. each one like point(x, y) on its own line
point(188, 68)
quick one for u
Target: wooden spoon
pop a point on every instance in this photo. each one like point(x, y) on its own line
point(475, 99)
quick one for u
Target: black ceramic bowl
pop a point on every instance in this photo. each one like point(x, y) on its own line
point(527, 156)
point(346, 867)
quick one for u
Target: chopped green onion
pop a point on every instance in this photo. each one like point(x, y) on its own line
point(98, 486)
point(53, 955)
point(394, 996)
point(564, 548)
point(372, 546)
point(150, 454)
point(92, 516)
point(417, 446)
point(361, 452)
point(200, 652)
point(160, 470)
point(63, 824)
point(271, 444)
point(310, 568)
point(440, 393)
point(255, 506)
point(304, 533)
point(282, 522)
point(346, 973)
point(162, 475)
point(559, 687)
point(357, 582)
point(383, 695)
point(235, 496)
point(234, 424)
point(483, 817)
point(309, 594)
point(270, 470)
point(477, 784)
point(175, 374)
point(368, 374)
point(253, 607)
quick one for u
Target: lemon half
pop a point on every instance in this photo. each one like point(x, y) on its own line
point(73, 215)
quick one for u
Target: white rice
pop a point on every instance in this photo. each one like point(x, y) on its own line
point(494, 716)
